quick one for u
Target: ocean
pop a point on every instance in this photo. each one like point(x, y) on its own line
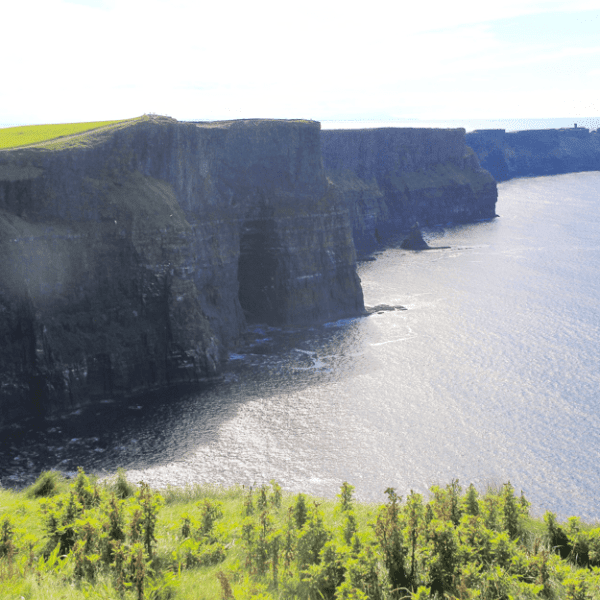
point(490, 375)
point(514, 124)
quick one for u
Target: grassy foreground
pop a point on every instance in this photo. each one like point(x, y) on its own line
point(111, 540)
point(14, 137)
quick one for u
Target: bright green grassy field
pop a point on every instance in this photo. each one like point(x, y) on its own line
point(14, 137)
point(116, 541)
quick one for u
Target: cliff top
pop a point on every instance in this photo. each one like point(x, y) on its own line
point(252, 122)
point(82, 135)
point(362, 130)
point(57, 135)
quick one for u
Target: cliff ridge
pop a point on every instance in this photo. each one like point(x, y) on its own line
point(133, 258)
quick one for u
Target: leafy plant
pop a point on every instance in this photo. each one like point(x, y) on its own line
point(120, 486)
point(556, 536)
point(300, 511)
point(149, 504)
point(443, 559)
point(98, 545)
point(47, 484)
point(345, 496)
point(414, 523)
point(210, 512)
point(391, 542)
point(276, 496)
point(7, 547)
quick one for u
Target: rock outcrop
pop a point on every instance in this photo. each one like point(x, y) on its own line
point(536, 152)
point(414, 240)
point(132, 258)
point(393, 177)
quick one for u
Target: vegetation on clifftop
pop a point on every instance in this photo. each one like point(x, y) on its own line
point(28, 135)
point(114, 540)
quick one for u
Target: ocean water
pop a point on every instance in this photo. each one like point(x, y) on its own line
point(492, 374)
point(515, 124)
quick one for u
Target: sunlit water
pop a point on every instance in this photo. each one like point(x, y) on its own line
point(492, 374)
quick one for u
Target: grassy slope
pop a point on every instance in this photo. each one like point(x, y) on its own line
point(15, 137)
point(471, 556)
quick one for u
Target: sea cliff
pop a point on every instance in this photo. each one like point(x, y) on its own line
point(536, 152)
point(133, 258)
point(394, 177)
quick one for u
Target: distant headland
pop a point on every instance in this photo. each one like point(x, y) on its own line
point(536, 152)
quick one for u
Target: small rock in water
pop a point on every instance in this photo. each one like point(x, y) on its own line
point(381, 308)
point(414, 240)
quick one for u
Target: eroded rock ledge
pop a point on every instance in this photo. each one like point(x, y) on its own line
point(132, 259)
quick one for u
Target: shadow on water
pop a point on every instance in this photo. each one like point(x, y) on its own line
point(169, 425)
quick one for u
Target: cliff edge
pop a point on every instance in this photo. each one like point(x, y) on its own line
point(133, 258)
point(394, 177)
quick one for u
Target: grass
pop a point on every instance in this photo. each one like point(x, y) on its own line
point(28, 135)
point(114, 540)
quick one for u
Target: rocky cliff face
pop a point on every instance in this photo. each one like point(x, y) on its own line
point(393, 177)
point(132, 258)
point(536, 152)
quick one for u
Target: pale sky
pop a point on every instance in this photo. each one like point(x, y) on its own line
point(88, 60)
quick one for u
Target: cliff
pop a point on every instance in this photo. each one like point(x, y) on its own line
point(132, 258)
point(391, 178)
point(536, 152)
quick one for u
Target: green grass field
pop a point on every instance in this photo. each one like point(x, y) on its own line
point(15, 137)
point(112, 540)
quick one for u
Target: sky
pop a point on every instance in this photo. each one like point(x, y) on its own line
point(90, 60)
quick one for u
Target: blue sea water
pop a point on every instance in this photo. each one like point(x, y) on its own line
point(491, 375)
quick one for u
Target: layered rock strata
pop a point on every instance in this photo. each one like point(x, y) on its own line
point(394, 177)
point(536, 152)
point(132, 258)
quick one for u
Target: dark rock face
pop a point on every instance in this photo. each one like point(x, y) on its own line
point(536, 152)
point(134, 260)
point(393, 177)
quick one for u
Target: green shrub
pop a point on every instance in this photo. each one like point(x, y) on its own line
point(276, 496)
point(345, 497)
point(471, 504)
point(150, 504)
point(121, 488)
point(311, 539)
point(443, 559)
point(557, 538)
point(210, 512)
point(46, 485)
point(391, 542)
point(7, 547)
point(300, 511)
point(98, 545)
